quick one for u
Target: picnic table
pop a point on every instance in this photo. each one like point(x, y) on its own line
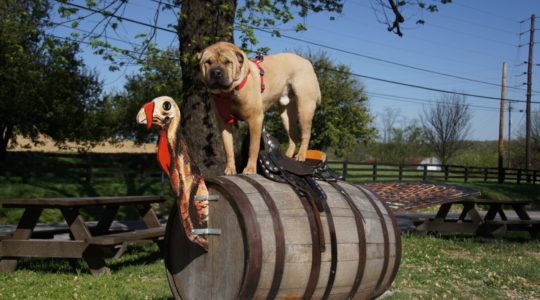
point(91, 243)
point(470, 219)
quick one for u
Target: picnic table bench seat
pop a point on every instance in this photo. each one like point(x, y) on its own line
point(470, 220)
point(92, 241)
point(128, 236)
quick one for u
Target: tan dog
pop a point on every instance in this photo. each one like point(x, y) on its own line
point(235, 84)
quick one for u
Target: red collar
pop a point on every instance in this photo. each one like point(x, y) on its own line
point(243, 83)
point(223, 100)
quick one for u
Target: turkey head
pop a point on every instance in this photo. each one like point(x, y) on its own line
point(163, 112)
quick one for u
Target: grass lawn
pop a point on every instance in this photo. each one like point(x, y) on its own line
point(465, 267)
point(453, 267)
point(138, 274)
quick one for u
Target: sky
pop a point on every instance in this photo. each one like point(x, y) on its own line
point(461, 48)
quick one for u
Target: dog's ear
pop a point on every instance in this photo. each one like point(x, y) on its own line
point(240, 56)
point(200, 55)
point(201, 66)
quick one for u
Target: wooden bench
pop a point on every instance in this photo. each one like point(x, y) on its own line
point(496, 226)
point(93, 243)
point(128, 236)
point(471, 221)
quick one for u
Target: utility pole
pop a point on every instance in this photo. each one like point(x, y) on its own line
point(528, 110)
point(501, 126)
point(509, 164)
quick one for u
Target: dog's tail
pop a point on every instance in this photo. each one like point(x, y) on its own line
point(284, 99)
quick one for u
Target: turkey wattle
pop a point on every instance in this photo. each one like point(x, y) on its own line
point(184, 176)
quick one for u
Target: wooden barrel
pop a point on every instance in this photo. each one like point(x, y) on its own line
point(269, 247)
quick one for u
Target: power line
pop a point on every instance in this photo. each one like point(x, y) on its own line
point(88, 32)
point(352, 74)
point(380, 59)
point(109, 14)
point(339, 50)
point(499, 30)
point(486, 12)
point(426, 101)
point(315, 44)
point(425, 87)
point(172, 58)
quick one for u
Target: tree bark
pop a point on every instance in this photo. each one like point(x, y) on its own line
point(201, 24)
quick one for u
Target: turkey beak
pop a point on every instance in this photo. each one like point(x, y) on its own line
point(145, 115)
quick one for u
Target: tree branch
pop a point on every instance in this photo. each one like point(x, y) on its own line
point(398, 18)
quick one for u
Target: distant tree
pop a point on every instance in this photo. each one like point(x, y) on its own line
point(405, 144)
point(159, 75)
point(44, 86)
point(535, 139)
point(342, 120)
point(388, 121)
point(446, 125)
point(518, 144)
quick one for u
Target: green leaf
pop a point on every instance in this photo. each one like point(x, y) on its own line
point(91, 3)
point(300, 27)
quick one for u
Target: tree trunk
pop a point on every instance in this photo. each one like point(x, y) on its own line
point(6, 133)
point(201, 24)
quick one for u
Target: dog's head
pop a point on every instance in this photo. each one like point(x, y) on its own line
point(223, 66)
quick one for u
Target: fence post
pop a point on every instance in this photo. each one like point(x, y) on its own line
point(424, 173)
point(485, 174)
point(502, 175)
point(88, 168)
point(534, 177)
point(400, 174)
point(518, 176)
point(375, 172)
point(344, 169)
point(466, 175)
point(445, 172)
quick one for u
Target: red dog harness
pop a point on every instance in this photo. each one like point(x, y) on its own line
point(223, 100)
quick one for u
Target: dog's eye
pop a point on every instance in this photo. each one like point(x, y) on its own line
point(208, 62)
point(166, 105)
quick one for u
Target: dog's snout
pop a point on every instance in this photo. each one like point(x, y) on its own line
point(216, 72)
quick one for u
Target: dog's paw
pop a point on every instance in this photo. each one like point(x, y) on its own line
point(290, 151)
point(300, 156)
point(249, 170)
point(230, 170)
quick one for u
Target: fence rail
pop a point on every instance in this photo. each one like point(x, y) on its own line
point(88, 167)
point(79, 167)
point(356, 171)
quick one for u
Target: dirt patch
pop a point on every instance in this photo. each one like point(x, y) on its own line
point(47, 145)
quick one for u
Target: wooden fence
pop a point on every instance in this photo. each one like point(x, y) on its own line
point(79, 167)
point(88, 167)
point(355, 171)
